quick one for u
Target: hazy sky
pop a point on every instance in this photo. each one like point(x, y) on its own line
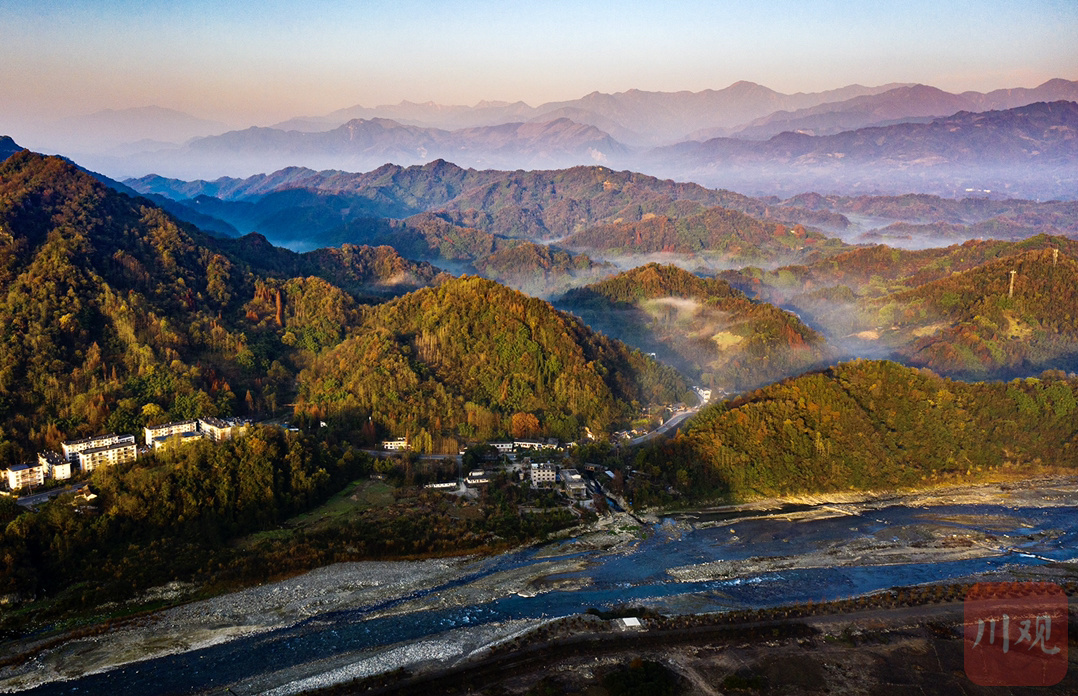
point(260, 61)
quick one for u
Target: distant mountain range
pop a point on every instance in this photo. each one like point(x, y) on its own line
point(361, 144)
point(443, 213)
point(122, 132)
point(1027, 151)
point(638, 118)
point(745, 137)
point(635, 117)
point(904, 104)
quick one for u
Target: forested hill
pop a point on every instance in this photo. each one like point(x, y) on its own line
point(115, 315)
point(975, 324)
point(868, 425)
point(651, 282)
point(948, 309)
point(369, 273)
point(538, 205)
point(734, 236)
point(878, 270)
point(709, 330)
point(540, 270)
point(474, 359)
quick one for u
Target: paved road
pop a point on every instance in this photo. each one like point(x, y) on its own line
point(665, 427)
point(38, 498)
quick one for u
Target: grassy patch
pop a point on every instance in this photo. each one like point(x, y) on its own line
point(347, 505)
point(726, 339)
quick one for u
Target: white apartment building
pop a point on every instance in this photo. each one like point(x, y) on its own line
point(23, 475)
point(215, 429)
point(108, 455)
point(55, 465)
point(167, 430)
point(544, 475)
point(72, 448)
point(220, 430)
point(401, 443)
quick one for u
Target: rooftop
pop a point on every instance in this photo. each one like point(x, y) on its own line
point(174, 424)
point(95, 438)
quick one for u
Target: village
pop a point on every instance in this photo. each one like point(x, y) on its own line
point(509, 457)
point(79, 458)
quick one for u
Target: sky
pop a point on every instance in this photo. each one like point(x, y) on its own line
point(257, 62)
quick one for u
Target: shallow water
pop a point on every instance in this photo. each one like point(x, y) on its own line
point(637, 574)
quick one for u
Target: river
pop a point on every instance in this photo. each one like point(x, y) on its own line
point(684, 564)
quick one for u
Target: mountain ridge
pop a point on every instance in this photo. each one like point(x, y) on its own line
point(1029, 148)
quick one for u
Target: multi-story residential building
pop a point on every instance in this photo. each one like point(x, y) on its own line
point(215, 429)
point(401, 443)
point(108, 455)
point(167, 430)
point(219, 430)
point(55, 465)
point(477, 477)
point(544, 474)
point(23, 475)
point(72, 448)
point(176, 438)
point(529, 444)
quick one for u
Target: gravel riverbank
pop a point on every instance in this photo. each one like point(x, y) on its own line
point(254, 610)
point(563, 569)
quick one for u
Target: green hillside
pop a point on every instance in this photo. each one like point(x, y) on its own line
point(867, 425)
point(971, 324)
point(710, 331)
point(473, 359)
point(718, 232)
point(942, 308)
point(116, 315)
point(880, 270)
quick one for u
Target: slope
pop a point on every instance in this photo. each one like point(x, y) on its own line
point(116, 315)
point(707, 329)
point(473, 359)
point(947, 308)
point(976, 323)
point(719, 234)
point(867, 425)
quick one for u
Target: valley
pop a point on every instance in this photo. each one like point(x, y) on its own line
point(891, 380)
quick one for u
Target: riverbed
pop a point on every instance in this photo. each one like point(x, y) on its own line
point(350, 620)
